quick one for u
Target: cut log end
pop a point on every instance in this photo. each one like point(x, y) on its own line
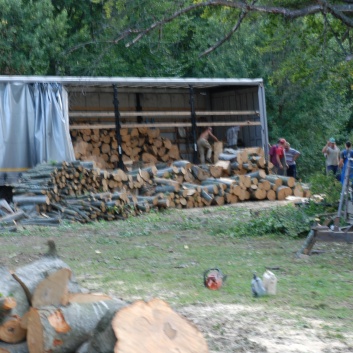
point(155, 327)
point(35, 338)
point(12, 332)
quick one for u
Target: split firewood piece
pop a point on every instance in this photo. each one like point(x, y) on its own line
point(14, 307)
point(225, 165)
point(53, 290)
point(173, 153)
point(154, 327)
point(65, 329)
point(217, 150)
point(14, 348)
point(149, 158)
point(242, 156)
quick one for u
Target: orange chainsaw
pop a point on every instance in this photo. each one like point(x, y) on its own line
point(213, 278)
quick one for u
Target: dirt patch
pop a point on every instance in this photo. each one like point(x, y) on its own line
point(238, 328)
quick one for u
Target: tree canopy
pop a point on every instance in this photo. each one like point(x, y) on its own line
point(302, 49)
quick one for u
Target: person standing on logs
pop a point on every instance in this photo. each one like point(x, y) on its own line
point(204, 146)
point(291, 156)
point(278, 157)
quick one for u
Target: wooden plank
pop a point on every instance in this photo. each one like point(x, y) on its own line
point(168, 113)
point(159, 125)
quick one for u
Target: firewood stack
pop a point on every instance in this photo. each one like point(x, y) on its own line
point(138, 144)
point(80, 192)
point(44, 309)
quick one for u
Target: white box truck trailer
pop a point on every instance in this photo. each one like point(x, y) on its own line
point(37, 113)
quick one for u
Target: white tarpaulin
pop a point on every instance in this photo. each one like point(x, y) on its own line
point(34, 127)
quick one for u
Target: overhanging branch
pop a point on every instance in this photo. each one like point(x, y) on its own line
point(223, 40)
point(317, 6)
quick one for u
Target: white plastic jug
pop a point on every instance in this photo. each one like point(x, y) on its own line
point(270, 282)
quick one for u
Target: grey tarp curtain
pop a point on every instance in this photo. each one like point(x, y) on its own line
point(34, 127)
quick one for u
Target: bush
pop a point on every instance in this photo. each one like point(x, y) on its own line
point(286, 220)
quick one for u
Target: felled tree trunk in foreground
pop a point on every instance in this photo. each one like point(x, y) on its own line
point(63, 329)
point(14, 348)
point(13, 308)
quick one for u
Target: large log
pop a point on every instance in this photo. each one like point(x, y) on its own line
point(14, 348)
point(154, 327)
point(29, 276)
point(283, 191)
point(103, 338)
point(171, 182)
point(288, 181)
point(10, 315)
point(12, 217)
point(64, 329)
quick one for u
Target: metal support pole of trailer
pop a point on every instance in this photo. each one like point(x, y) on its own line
point(344, 193)
point(117, 128)
point(263, 119)
point(193, 125)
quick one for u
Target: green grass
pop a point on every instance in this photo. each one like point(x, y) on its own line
point(164, 255)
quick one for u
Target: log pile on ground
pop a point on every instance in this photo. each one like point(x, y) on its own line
point(80, 192)
point(138, 144)
point(43, 309)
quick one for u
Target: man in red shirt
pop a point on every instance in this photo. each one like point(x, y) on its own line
point(278, 157)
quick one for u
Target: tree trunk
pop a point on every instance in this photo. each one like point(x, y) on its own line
point(14, 348)
point(64, 329)
point(31, 275)
point(10, 315)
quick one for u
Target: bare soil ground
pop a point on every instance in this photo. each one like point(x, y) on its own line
point(233, 328)
point(258, 330)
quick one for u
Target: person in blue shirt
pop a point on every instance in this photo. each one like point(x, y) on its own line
point(345, 155)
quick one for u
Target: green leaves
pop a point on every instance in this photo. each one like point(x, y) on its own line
point(31, 36)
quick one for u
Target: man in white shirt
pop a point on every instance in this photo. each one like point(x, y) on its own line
point(332, 153)
point(232, 136)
